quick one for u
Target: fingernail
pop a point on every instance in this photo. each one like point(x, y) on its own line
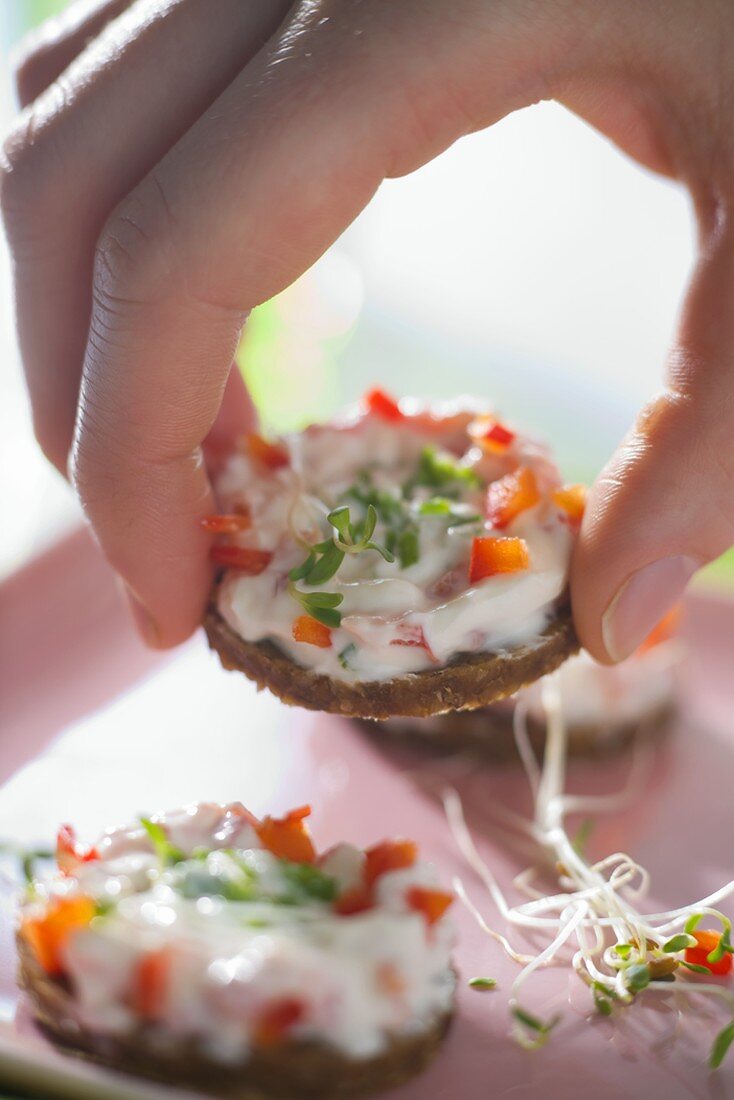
point(641, 602)
point(144, 622)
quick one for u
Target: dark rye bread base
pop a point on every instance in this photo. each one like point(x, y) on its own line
point(287, 1071)
point(488, 733)
point(470, 681)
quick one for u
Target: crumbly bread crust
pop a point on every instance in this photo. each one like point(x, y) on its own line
point(488, 732)
point(284, 1072)
point(470, 681)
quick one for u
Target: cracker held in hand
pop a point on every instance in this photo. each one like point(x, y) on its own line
point(404, 559)
point(209, 948)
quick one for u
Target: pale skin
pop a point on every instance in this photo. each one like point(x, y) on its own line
point(177, 163)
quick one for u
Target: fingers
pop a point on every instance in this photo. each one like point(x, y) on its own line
point(46, 52)
point(664, 506)
point(248, 199)
point(145, 81)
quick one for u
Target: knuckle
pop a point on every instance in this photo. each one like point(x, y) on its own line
point(30, 168)
point(133, 260)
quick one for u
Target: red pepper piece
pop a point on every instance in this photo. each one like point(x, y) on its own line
point(431, 903)
point(151, 984)
point(382, 405)
point(272, 455)
point(288, 837)
point(242, 558)
point(491, 435)
point(510, 495)
point(388, 855)
point(230, 524)
point(708, 942)
point(490, 556)
point(572, 499)
point(49, 933)
point(357, 900)
point(664, 631)
point(276, 1021)
point(311, 632)
point(69, 853)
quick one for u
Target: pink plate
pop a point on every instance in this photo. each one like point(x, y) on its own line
point(125, 733)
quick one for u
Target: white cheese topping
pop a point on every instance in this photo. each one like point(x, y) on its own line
point(394, 619)
point(355, 980)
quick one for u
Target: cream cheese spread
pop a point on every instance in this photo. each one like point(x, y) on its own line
point(443, 490)
point(203, 933)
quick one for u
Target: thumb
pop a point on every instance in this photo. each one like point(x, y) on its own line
point(664, 505)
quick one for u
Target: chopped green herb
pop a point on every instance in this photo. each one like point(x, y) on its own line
point(344, 656)
point(483, 984)
point(309, 881)
point(722, 1042)
point(167, 853)
point(637, 977)
point(679, 943)
point(439, 471)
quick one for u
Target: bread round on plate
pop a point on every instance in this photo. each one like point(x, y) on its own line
point(406, 559)
point(208, 948)
point(604, 707)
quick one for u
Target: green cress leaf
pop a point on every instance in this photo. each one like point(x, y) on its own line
point(369, 524)
point(696, 968)
point(321, 599)
point(326, 567)
point(637, 977)
point(679, 943)
point(482, 984)
point(407, 547)
point(167, 853)
point(326, 615)
point(339, 519)
point(301, 570)
point(382, 550)
point(722, 947)
point(436, 506)
point(722, 1042)
point(624, 950)
point(693, 922)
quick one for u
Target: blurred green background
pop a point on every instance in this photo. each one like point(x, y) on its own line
point(532, 264)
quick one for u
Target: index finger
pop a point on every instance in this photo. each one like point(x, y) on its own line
point(248, 199)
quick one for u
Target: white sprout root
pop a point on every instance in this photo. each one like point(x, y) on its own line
point(618, 951)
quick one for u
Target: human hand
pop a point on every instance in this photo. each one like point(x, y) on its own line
point(200, 155)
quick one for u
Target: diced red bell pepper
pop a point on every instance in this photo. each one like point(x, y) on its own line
point(312, 632)
point(708, 942)
point(491, 435)
point(381, 404)
point(272, 455)
point(510, 495)
point(49, 933)
point(274, 1024)
point(490, 556)
point(151, 984)
point(664, 630)
point(414, 636)
point(572, 499)
point(229, 524)
point(388, 855)
point(288, 837)
point(244, 559)
point(69, 854)
point(357, 900)
point(431, 903)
